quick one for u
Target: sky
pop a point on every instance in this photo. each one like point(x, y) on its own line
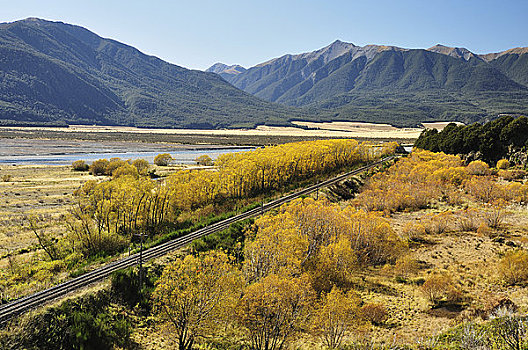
point(198, 33)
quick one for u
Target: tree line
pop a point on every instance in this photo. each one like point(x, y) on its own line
point(492, 141)
point(130, 202)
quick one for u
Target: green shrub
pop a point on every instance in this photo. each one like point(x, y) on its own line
point(82, 323)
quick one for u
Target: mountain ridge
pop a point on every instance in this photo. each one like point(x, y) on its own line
point(346, 79)
point(58, 73)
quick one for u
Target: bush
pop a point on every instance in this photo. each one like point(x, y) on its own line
point(99, 167)
point(506, 175)
point(406, 267)
point(125, 287)
point(80, 165)
point(204, 160)
point(503, 164)
point(468, 221)
point(113, 164)
point(81, 323)
point(163, 159)
point(437, 224)
point(439, 289)
point(141, 165)
point(413, 232)
point(375, 313)
point(513, 267)
point(478, 167)
point(125, 169)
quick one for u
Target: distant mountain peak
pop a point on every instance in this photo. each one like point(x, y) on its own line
point(515, 51)
point(222, 69)
point(457, 52)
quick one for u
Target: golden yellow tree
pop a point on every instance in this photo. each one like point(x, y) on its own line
point(195, 295)
point(272, 310)
point(336, 315)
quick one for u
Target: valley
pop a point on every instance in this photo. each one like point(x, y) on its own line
point(358, 196)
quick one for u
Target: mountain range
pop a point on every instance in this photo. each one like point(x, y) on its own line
point(52, 73)
point(392, 84)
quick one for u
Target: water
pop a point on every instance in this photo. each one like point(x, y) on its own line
point(62, 152)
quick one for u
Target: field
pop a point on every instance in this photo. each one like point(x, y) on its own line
point(261, 135)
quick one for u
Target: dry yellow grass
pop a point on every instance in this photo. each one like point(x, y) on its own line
point(330, 129)
point(34, 190)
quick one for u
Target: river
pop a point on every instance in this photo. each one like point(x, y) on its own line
point(64, 152)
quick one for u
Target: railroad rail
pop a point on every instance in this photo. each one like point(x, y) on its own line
point(19, 306)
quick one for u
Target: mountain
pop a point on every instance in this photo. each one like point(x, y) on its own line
point(457, 52)
point(226, 71)
point(393, 84)
point(54, 73)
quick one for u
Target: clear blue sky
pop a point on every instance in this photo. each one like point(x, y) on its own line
point(197, 33)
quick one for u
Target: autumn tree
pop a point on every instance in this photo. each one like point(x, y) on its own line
point(440, 288)
point(195, 295)
point(98, 167)
point(162, 159)
point(336, 314)
point(272, 310)
point(204, 160)
point(141, 165)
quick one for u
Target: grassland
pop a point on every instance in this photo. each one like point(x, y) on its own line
point(261, 135)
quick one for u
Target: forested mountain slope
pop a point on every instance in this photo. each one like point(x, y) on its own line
point(56, 73)
point(392, 84)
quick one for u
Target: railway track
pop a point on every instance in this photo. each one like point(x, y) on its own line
point(19, 306)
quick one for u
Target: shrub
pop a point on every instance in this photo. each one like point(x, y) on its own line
point(503, 164)
point(7, 178)
point(81, 323)
point(204, 160)
point(506, 174)
point(484, 189)
point(80, 165)
point(413, 232)
point(114, 164)
point(375, 313)
point(513, 267)
point(439, 289)
point(125, 286)
point(141, 165)
point(125, 169)
point(467, 221)
point(437, 224)
point(163, 159)
point(496, 215)
point(99, 167)
point(405, 267)
point(478, 167)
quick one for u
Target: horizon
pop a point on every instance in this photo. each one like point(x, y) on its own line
point(198, 35)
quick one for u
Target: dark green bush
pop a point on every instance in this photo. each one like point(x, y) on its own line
point(87, 322)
